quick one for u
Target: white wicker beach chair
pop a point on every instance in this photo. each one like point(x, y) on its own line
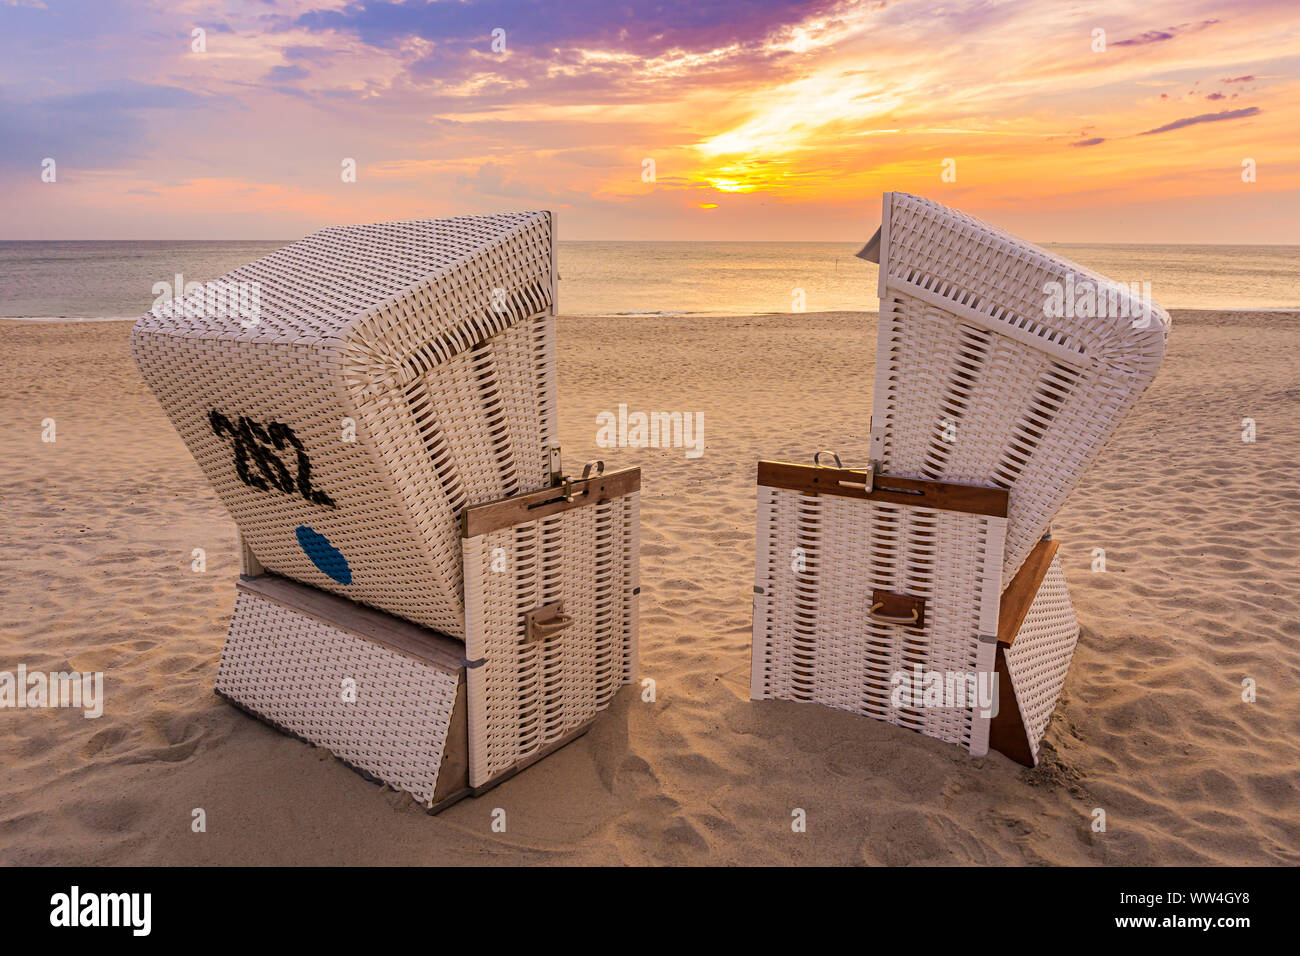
point(882, 596)
point(385, 377)
point(551, 589)
point(378, 415)
point(551, 643)
point(1001, 371)
point(856, 581)
point(999, 363)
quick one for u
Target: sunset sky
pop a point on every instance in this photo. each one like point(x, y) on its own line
point(769, 120)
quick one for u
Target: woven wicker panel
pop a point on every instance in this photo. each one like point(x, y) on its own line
point(289, 667)
point(819, 558)
point(976, 384)
point(526, 696)
point(1040, 655)
point(398, 328)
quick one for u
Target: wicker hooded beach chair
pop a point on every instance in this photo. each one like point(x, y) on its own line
point(377, 411)
point(980, 381)
point(897, 590)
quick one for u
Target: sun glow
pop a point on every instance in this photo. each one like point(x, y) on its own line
point(732, 185)
point(795, 119)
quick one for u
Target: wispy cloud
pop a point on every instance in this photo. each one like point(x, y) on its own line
point(283, 74)
point(1204, 118)
point(1160, 36)
point(312, 54)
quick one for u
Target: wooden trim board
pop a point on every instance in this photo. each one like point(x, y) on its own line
point(519, 509)
point(1007, 734)
point(1022, 590)
point(916, 492)
point(453, 774)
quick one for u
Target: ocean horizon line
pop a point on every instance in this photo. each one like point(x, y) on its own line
point(714, 242)
point(107, 278)
point(663, 314)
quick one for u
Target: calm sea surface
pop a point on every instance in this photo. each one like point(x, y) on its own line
point(112, 278)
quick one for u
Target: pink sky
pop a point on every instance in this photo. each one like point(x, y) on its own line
point(770, 120)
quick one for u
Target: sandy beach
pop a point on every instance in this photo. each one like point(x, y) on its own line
point(1201, 591)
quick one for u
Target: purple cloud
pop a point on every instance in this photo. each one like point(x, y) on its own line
point(312, 54)
point(1239, 79)
point(642, 27)
point(1142, 39)
point(1093, 141)
point(93, 128)
point(292, 91)
point(1203, 118)
point(1159, 36)
point(283, 74)
point(129, 95)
